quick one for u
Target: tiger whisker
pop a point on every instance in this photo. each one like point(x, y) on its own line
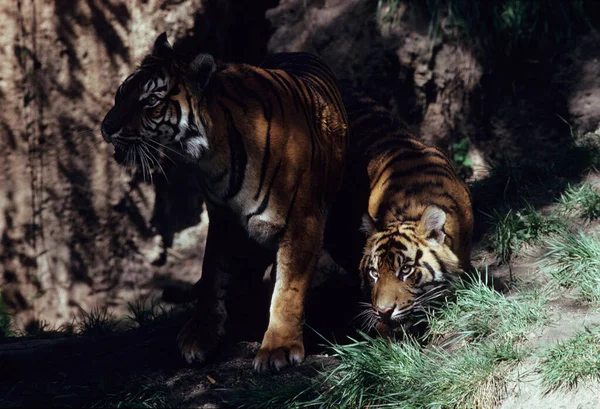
point(147, 162)
point(135, 159)
point(428, 296)
point(371, 324)
point(368, 318)
point(365, 323)
point(361, 318)
point(144, 162)
point(432, 292)
point(142, 165)
point(164, 153)
point(364, 312)
point(129, 157)
point(162, 145)
point(155, 160)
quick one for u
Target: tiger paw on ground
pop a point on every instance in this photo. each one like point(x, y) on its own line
point(196, 342)
point(278, 357)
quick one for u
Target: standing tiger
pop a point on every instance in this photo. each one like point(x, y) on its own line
point(270, 144)
point(417, 226)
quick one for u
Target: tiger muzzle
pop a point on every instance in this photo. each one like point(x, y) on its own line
point(105, 136)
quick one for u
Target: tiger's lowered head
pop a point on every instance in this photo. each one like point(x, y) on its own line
point(418, 221)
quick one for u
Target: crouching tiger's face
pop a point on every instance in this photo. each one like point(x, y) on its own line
point(405, 267)
point(153, 108)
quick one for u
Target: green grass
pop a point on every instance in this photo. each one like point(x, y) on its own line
point(472, 377)
point(96, 322)
point(139, 393)
point(144, 311)
point(264, 393)
point(573, 261)
point(374, 372)
point(582, 200)
point(479, 312)
point(515, 228)
point(570, 363)
point(507, 184)
point(461, 159)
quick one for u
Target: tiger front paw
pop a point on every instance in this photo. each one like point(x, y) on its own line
point(196, 341)
point(274, 355)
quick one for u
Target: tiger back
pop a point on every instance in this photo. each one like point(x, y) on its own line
point(416, 228)
point(270, 144)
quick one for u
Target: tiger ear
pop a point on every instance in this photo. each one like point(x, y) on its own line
point(162, 48)
point(201, 69)
point(432, 224)
point(369, 224)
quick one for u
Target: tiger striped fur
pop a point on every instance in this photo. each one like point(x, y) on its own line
point(270, 143)
point(417, 225)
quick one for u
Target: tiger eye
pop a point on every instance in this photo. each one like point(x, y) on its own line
point(151, 100)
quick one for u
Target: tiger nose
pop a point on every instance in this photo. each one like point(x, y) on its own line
point(385, 313)
point(110, 125)
point(105, 135)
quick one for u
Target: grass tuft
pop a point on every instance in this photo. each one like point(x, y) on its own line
point(568, 363)
point(513, 229)
point(37, 328)
point(475, 377)
point(263, 394)
point(376, 373)
point(373, 372)
point(573, 261)
point(144, 311)
point(97, 322)
point(479, 312)
point(582, 200)
point(139, 393)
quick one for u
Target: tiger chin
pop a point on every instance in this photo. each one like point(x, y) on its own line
point(417, 220)
point(269, 143)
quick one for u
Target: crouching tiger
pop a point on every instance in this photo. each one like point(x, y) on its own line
point(270, 142)
point(417, 226)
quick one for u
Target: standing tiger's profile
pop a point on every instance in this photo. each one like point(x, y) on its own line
point(270, 144)
point(415, 235)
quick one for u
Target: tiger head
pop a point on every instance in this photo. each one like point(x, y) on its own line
point(405, 266)
point(159, 108)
